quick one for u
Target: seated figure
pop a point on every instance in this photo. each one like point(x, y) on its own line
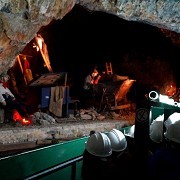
point(8, 101)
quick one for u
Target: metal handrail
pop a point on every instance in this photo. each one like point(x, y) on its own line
point(57, 168)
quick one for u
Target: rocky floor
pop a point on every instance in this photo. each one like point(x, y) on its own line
point(9, 149)
point(127, 118)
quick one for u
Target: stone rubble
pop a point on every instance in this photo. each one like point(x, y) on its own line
point(46, 127)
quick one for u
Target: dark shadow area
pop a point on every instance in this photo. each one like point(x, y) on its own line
point(83, 39)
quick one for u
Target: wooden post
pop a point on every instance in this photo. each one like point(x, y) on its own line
point(45, 58)
point(46, 61)
point(20, 64)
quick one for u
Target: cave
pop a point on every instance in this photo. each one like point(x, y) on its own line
point(84, 39)
point(81, 35)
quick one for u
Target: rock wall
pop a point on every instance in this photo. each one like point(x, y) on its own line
point(20, 20)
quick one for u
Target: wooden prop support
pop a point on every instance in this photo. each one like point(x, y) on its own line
point(46, 60)
point(20, 64)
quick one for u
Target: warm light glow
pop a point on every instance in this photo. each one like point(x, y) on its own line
point(35, 46)
point(124, 88)
point(170, 90)
point(18, 118)
point(40, 41)
point(42, 47)
point(26, 121)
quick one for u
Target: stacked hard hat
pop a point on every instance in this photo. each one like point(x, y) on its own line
point(172, 125)
point(99, 145)
point(156, 129)
point(131, 132)
point(118, 140)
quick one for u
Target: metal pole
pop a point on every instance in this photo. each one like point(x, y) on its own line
point(141, 134)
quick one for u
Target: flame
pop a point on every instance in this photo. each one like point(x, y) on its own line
point(170, 90)
point(18, 118)
point(40, 42)
point(25, 121)
point(36, 46)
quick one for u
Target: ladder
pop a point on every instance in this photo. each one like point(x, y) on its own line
point(109, 68)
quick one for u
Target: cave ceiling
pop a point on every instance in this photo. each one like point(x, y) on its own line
point(21, 20)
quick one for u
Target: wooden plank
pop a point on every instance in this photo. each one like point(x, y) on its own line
point(124, 106)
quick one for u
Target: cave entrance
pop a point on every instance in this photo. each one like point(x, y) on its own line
point(83, 39)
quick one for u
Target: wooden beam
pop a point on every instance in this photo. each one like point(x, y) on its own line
point(124, 106)
point(20, 64)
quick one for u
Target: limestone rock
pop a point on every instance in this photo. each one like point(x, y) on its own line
point(21, 20)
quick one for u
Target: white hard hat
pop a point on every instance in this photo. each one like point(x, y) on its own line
point(99, 145)
point(172, 125)
point(118, 140)
point(131, 131)
point(156, 129)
